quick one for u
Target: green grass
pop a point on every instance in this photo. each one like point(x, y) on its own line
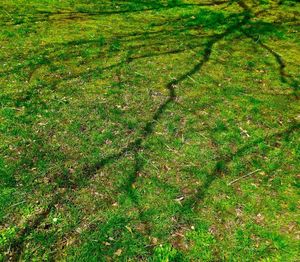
point(123, 124)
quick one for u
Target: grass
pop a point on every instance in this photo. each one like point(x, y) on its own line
point(122, 124)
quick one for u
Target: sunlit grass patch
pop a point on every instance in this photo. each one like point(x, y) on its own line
point(149, 130)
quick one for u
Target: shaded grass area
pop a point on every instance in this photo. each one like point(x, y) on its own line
point(123, 123)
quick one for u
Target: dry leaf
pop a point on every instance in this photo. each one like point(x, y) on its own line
point(118, 252)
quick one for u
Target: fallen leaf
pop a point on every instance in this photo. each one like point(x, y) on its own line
point(154, 240)
point(118, 252)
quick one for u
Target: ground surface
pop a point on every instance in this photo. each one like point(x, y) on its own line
point(124, 125)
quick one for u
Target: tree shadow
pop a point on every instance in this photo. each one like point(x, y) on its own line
point(235, 24)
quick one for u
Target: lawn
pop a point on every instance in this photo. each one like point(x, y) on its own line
point(149, 130)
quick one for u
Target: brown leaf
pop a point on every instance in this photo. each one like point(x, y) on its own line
point(118, 252)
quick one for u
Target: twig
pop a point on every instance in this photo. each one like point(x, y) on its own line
point(19, 203)
point(258, 39)
point(251, 173)
point(191, 79)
